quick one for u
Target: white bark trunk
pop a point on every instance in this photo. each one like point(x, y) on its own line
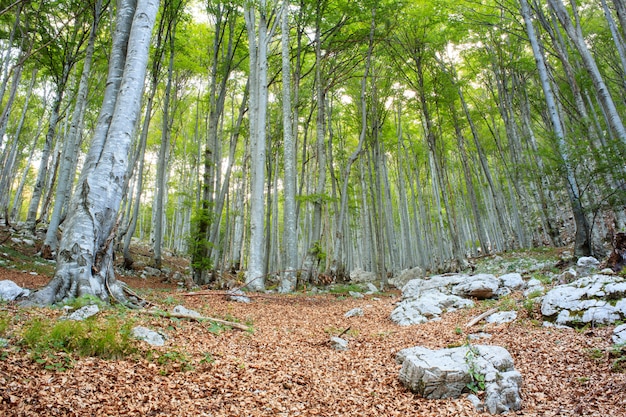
point(289, 276)
point(258, 42)
point(84, 262)
point(604, 95)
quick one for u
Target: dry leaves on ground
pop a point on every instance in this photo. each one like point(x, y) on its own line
point(287, 368)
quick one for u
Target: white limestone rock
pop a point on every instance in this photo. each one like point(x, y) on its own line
point(480, 286)
point(149, 336)
point(599, 299)
point(619, 335)
point(9, 290)
point(84, 312)
point(445, 373)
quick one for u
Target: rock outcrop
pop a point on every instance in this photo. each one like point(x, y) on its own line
point(448, 373)
point(426, 299)
point(596, 299)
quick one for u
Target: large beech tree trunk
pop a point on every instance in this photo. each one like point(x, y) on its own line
point(84, 261)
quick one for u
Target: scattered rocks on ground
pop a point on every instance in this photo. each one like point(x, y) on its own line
point(479, 335)
point(426, 299)
point(151, 272)
point(586, 265)
point(513, 281)
point(568, 276)
point(83, 313)
point(619, 335)
point(185, 311)
point(599, 299)
point(480, 286)
point(238, 296)
point(502, 317)
point(3, 342)
point(371, 288)
point(149, 336)
point(534, 286)
point(405, 276)
point(448, 373)
point(10, 291)
point(355, 294)
point(338, 343)
point(355, 312)
point(359, 276)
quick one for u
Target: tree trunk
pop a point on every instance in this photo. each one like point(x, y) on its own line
point(85, 261)
point(69, 154)
point(289, 275)
point(258, 40)
point(604, 95)
point(582, 246)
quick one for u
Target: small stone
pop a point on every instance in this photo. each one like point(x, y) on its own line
point(3, 342)
point(371, 288)
point(619, 335)
point(83, 313)
point(149, 336)
point(185, 311)
point(239, 296)
point(338, 343)
point(479, 335)
point(502, 317)
point(152, 272)
point(355, 312)
point(9, 290)
point(355, 294)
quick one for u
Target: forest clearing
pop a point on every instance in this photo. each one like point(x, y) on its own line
point(285, 366)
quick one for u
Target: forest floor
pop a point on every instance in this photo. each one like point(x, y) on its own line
point(285, 365)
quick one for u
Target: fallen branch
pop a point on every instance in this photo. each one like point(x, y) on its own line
point(481, 316)
point(232, 324)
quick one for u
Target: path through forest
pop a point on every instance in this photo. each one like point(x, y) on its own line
point(285, 367)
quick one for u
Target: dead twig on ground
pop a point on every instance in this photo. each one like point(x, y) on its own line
point(232, 324)
point(481, 316)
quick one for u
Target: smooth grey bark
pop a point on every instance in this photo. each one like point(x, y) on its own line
point(158, 216)
point(312, 257)
point(618, 40)
point(206, 227)
point(289, 276)
point(337, 268)
point(258, 38)
point(409, 256)
point(582, 245)
point(84, 260)
point(7, 173)
point(69, 154)
point(4, 117)
point(574, 32)
point(42, 172)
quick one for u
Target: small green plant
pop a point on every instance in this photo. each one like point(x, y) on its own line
point(83, 301)
point(207, 359)
point(173, 361)
point(618, 352)
point(507, 304)
point(4, 323)
point(543, 278)
point(595, 353)
point(52, 343)
point(215, 328)
point(344, 288)
point(170, 300)
point(458, 330)
point(477, 382)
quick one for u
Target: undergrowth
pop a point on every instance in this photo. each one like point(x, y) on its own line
point(54, 343)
